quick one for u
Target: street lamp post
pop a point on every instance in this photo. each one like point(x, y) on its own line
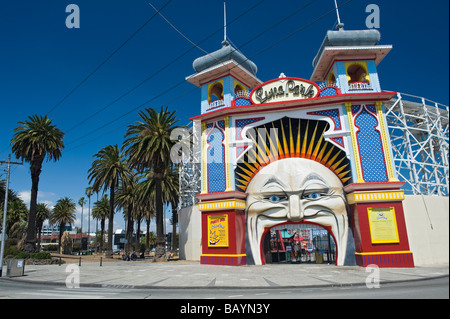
point(5, 208)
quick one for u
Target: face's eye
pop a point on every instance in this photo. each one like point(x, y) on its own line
point(313, 196)
point(275, 198)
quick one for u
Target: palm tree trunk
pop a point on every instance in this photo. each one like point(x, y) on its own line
point(39, 229)
point(30, 242)
point(130, 226)
point(109, 247)
point(89, 225)
point(147, 239)
point(160, 251)
point(174, 229)
point(102, 231)
point(137, 247)
point(61, 231)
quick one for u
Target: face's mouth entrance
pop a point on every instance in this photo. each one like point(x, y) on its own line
point(296, 243)
point(295, 191)
point(321, 223)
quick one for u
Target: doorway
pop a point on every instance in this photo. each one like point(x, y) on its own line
point(299, 243)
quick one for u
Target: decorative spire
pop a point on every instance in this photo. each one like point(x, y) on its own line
point(339, 25)
point(225, 41)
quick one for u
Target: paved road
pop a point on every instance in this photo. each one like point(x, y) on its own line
point(423, 289)
point(194, 275)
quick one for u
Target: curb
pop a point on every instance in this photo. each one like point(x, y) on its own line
point(119, 286)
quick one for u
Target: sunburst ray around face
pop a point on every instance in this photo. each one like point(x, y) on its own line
point(287, 138)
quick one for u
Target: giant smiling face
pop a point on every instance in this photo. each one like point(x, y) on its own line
point(295, 190)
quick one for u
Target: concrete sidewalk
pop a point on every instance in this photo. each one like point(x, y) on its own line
point(194, 275)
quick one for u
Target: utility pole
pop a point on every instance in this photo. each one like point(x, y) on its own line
point(5, 209)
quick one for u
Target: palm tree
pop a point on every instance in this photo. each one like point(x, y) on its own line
point(171, 191)
point(125, 199)
point(101, 212)
point(35, 140)
point(81, 202)
point(12, 195)
point(139, 214)
point(43, 212)
point(148, 145)
point(63, 214)
point(146, 192)
point(89, 193)
point(16, 212)
point(107, 171)
point(149, 214)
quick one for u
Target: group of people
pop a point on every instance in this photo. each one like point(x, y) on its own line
point(133, 256)
point(127, 257)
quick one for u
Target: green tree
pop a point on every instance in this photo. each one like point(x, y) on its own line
point(148, 145)
point(149, 215)
point(81, 202)
point(125, 200)
point(107, 171)
point(16, 222)
point(146, 194)
point(172, 191)
point(43, 212)
point(16, 213)
point(12, 195)
point(89, 193)
point(35, 140)
point(101, 212)
point(63, 214)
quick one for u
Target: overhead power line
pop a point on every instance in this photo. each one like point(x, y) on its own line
point(104, 61)
point(123, 125)
point(160, 70)
point(259, 52)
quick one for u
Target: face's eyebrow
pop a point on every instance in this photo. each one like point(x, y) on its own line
point(314, 176)
point(274, 180)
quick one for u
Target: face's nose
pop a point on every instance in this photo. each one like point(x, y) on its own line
point(295, 212)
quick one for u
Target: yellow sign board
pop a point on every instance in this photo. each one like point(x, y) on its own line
point(218, 231)
point(383, 225)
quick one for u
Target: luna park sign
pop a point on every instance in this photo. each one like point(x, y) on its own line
point(284, 90)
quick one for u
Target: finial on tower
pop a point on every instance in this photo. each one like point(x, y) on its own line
point(225, 41)
point(339, 25)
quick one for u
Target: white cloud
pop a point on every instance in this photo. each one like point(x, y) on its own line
point(43, 197)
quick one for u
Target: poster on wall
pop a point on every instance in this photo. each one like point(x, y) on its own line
point(218, 231)
point(383, 225)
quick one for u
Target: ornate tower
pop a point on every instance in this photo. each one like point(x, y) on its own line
point(348, 60)
point(226, 78)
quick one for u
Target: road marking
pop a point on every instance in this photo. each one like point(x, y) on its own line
point(60, 296)
point(77, 291)
point(235, 296)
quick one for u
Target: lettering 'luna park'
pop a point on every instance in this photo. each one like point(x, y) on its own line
point(283, 90)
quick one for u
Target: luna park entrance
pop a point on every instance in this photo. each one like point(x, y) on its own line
point(299, 243)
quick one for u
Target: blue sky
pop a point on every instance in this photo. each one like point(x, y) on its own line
point(41, 61)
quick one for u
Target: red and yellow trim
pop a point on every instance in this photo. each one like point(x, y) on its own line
point(385, 259)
